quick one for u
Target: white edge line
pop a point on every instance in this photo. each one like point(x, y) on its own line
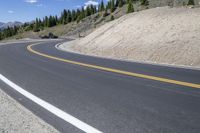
point(56, 111)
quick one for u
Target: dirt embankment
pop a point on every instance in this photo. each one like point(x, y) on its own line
point(161, 35)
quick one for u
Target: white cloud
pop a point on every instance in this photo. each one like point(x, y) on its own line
point(91, 2)
point(10, 11)
point(31, 1)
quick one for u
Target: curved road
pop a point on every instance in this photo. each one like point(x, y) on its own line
point(108, 101)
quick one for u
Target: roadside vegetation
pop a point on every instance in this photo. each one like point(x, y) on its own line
point(68, 18)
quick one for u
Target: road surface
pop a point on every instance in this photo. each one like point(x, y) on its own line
point(106, 100)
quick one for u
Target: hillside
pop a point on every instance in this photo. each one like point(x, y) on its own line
point(161, 35)
point(90, 23)
point(1, 23)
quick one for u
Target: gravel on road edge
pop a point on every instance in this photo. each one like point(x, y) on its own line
point(14, 118)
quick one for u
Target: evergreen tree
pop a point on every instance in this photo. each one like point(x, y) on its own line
point(64, 16)
point(56, 19)
point(1, 37)
point(102, 7)
point(112, 6)
point(121, 3)
point(108, 6)
point(36, 25)
point(78, 13)
point(112, 18)
point(116, 3)
point(105, 13)
point(69, 16)
point(15, 30)
point(46, 19)
point(144, 2)
point(51, 21)
point(88, 11)
point(191, 2)
point(73, 15)
point(130, 7)
point(82, 13)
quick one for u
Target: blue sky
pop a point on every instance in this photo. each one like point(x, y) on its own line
point(27, 10)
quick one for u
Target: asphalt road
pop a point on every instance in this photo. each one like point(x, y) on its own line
point(107, 101)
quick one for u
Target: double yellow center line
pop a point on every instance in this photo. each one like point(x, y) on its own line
point(29, 48)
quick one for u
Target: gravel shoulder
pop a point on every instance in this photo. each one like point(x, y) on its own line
point(14, 118)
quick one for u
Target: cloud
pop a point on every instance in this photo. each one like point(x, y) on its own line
point(91, 2)
point(31, 1)
point(10, 11)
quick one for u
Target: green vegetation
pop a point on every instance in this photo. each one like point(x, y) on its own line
point(112, 18)
point(191, 2)
point(69, 16)
point(8, 32)
point(144, 2)
point(130, 7)
point(121, 3)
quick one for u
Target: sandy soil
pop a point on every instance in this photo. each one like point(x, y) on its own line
point(161, 35)
point(14, 118)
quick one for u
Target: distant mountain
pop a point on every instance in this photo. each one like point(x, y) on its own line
point(1, 23)
point(9, 24)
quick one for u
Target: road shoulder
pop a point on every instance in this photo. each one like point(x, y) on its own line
point(17, 119)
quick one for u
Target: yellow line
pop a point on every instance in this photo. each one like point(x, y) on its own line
point(29, 48)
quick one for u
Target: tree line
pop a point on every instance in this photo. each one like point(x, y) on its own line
point(68, 16)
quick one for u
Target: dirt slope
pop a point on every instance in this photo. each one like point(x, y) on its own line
point(162, 35)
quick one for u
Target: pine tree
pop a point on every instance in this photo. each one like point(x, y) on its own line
point(191, 2)
point(36, 26)
point(73, 15)
point(78, 13)
point(144, 2)
point(69, 16)
point(1, 37)
point(45, 21)
point(15, 30)
point(64, 16)
point(105, 13)
point(112, 18)
point(130, 7)
point(82, 13)
point(116, 3)
point(108, 6)
point(95, 9)
point(121, 3)
point(56, 19)
point(112, 6)
point(88, 11)
point(102, 7)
